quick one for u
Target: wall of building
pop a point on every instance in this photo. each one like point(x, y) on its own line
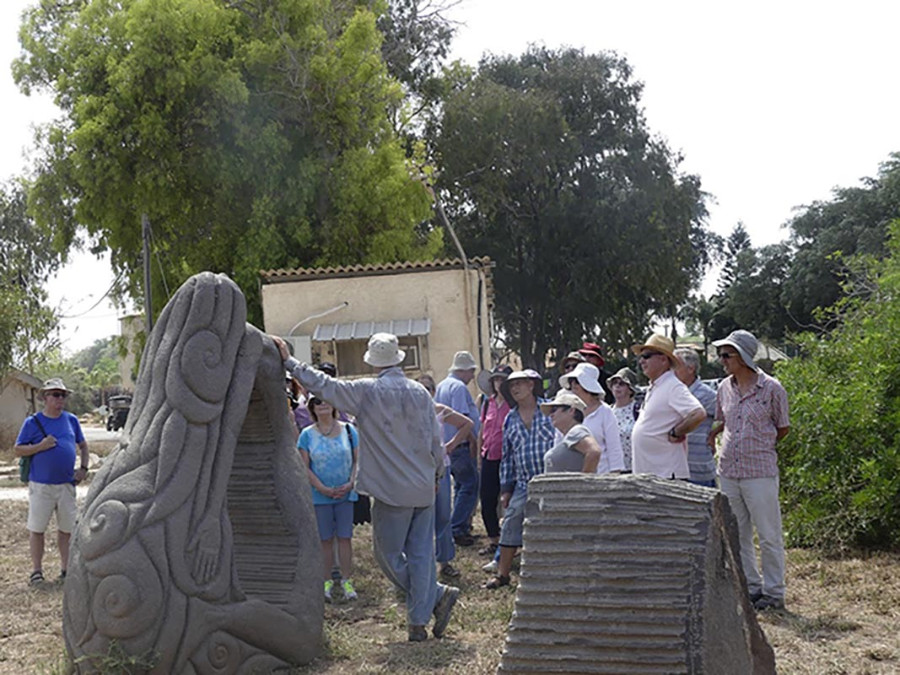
point(443, 296)
point(17, 401)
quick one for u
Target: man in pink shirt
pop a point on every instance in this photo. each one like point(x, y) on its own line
point(669, 413)
point(752, 410)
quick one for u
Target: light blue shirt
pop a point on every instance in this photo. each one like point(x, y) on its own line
point(330, 459)
point(454, 393)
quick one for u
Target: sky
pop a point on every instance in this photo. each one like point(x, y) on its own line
point(772, 104)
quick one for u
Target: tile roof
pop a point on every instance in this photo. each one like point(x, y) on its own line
point(371, 269)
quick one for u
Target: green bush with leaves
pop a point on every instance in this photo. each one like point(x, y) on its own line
point(841, 462)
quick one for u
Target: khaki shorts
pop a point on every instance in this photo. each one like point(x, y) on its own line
point(44, 499)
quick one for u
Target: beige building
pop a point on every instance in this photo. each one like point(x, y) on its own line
point(132, 331)
point(19, 398)
point(435, 308)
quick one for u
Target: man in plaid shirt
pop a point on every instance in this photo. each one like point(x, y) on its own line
point(752, 410)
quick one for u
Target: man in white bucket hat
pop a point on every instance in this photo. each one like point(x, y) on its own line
point(453, 392)
point(400, 461)
point(752, 410)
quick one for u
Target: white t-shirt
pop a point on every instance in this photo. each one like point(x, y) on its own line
point(667, 403)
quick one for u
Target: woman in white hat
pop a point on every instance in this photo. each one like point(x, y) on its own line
point(577, 451)
point(584, 382)
point(624, 387)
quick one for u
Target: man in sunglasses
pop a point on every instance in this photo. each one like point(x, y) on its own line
point(669, 413)
point(50, 438)
point(752, 411)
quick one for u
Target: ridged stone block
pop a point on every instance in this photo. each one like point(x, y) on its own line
point(631, 574)
point(197, 550)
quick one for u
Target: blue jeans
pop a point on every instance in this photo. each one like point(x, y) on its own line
point(444, 548)
point(464, 469)
point(403, 541)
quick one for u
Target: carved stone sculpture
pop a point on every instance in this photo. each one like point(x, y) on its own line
point(198, 542)
point(631, 574)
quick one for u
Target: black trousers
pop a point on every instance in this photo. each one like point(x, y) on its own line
point(490, 496)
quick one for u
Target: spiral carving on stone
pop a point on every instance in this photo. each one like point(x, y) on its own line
point(152, 562)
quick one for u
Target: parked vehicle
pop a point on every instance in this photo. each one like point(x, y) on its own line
point(118, 412)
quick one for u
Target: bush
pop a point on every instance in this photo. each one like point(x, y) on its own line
point(840, 465)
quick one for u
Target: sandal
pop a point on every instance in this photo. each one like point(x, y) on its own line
point(36, 578)
point(496, 582)
point(490, 549)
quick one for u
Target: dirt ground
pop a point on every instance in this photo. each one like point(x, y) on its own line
point(843, 616)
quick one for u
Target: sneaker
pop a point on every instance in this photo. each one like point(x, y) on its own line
point(328, 586)
point(417, 634)
point(448, 571)
point(755, 597)
point(442, 610)
point(490, 549)
point(767, 603)
point(349, 591)
point(491, 567)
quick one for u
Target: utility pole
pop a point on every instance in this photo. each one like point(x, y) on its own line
point(148, 299)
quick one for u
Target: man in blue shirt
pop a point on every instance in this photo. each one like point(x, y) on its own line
point(50, 438)
point(453, 392)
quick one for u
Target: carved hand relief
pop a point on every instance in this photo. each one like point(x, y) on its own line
point(197, 547)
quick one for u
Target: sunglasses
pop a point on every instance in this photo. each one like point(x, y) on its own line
point(560, 408)
point(726, 355)
point(646, 356)
point(316, 401)
point(58, 394)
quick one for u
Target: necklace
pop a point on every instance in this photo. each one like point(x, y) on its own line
point(330, 429)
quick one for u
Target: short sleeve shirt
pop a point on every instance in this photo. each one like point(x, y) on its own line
point(330, 459)
point(563, 456)
point(752, 422)
point(56, 465)
point(667, 403)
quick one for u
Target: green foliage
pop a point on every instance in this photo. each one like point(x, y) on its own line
point(550, 169)
point(27, 324)
point(116, 661)
point(253, 135)
point(841, 461)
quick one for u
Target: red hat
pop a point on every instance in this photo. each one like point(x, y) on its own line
point(592, 349)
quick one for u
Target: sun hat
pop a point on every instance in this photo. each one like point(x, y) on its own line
point(578, 357)
point(658, 343)
point(484, 378)
point(592, 349)
point(564, 398)
point(54, 384)
point(627, 376)
point(588, 376)
point(463, 361)
point(384, 351)
point(746, 344)
point(527, 374)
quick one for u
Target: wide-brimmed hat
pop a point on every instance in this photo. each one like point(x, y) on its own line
point(328, 368)
point(578, 357)
point(592, 349)
point(463, 361)
point(527, 374)
point(55, 384)
point(384, 351)
point(746, 344)
point(587, 375)
point(658, 343)
point(564, 399)
point(484, 378)
point(627, 377)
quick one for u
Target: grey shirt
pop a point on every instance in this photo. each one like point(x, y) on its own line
point(400, 450)
point(563, 456)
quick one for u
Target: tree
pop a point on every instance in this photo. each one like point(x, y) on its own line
point(549, 168)
point(841, 462)
point(27, 324)
point(826, 233)
point(253, 134)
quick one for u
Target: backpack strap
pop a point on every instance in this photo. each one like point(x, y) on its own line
point(349, 435)
point(40, 426)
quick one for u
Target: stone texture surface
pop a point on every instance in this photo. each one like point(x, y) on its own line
point(631, 574)
point(198, 538)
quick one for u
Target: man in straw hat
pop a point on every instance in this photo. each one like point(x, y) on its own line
point(50, 438)
point(669, 413)
point(752, 410)
point(400, 461)
point(453, 392)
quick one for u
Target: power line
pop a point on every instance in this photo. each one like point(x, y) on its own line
point(96, 304)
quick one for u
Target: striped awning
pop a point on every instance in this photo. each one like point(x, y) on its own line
point(363, 330)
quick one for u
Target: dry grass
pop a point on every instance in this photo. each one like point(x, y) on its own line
point(842, 618)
